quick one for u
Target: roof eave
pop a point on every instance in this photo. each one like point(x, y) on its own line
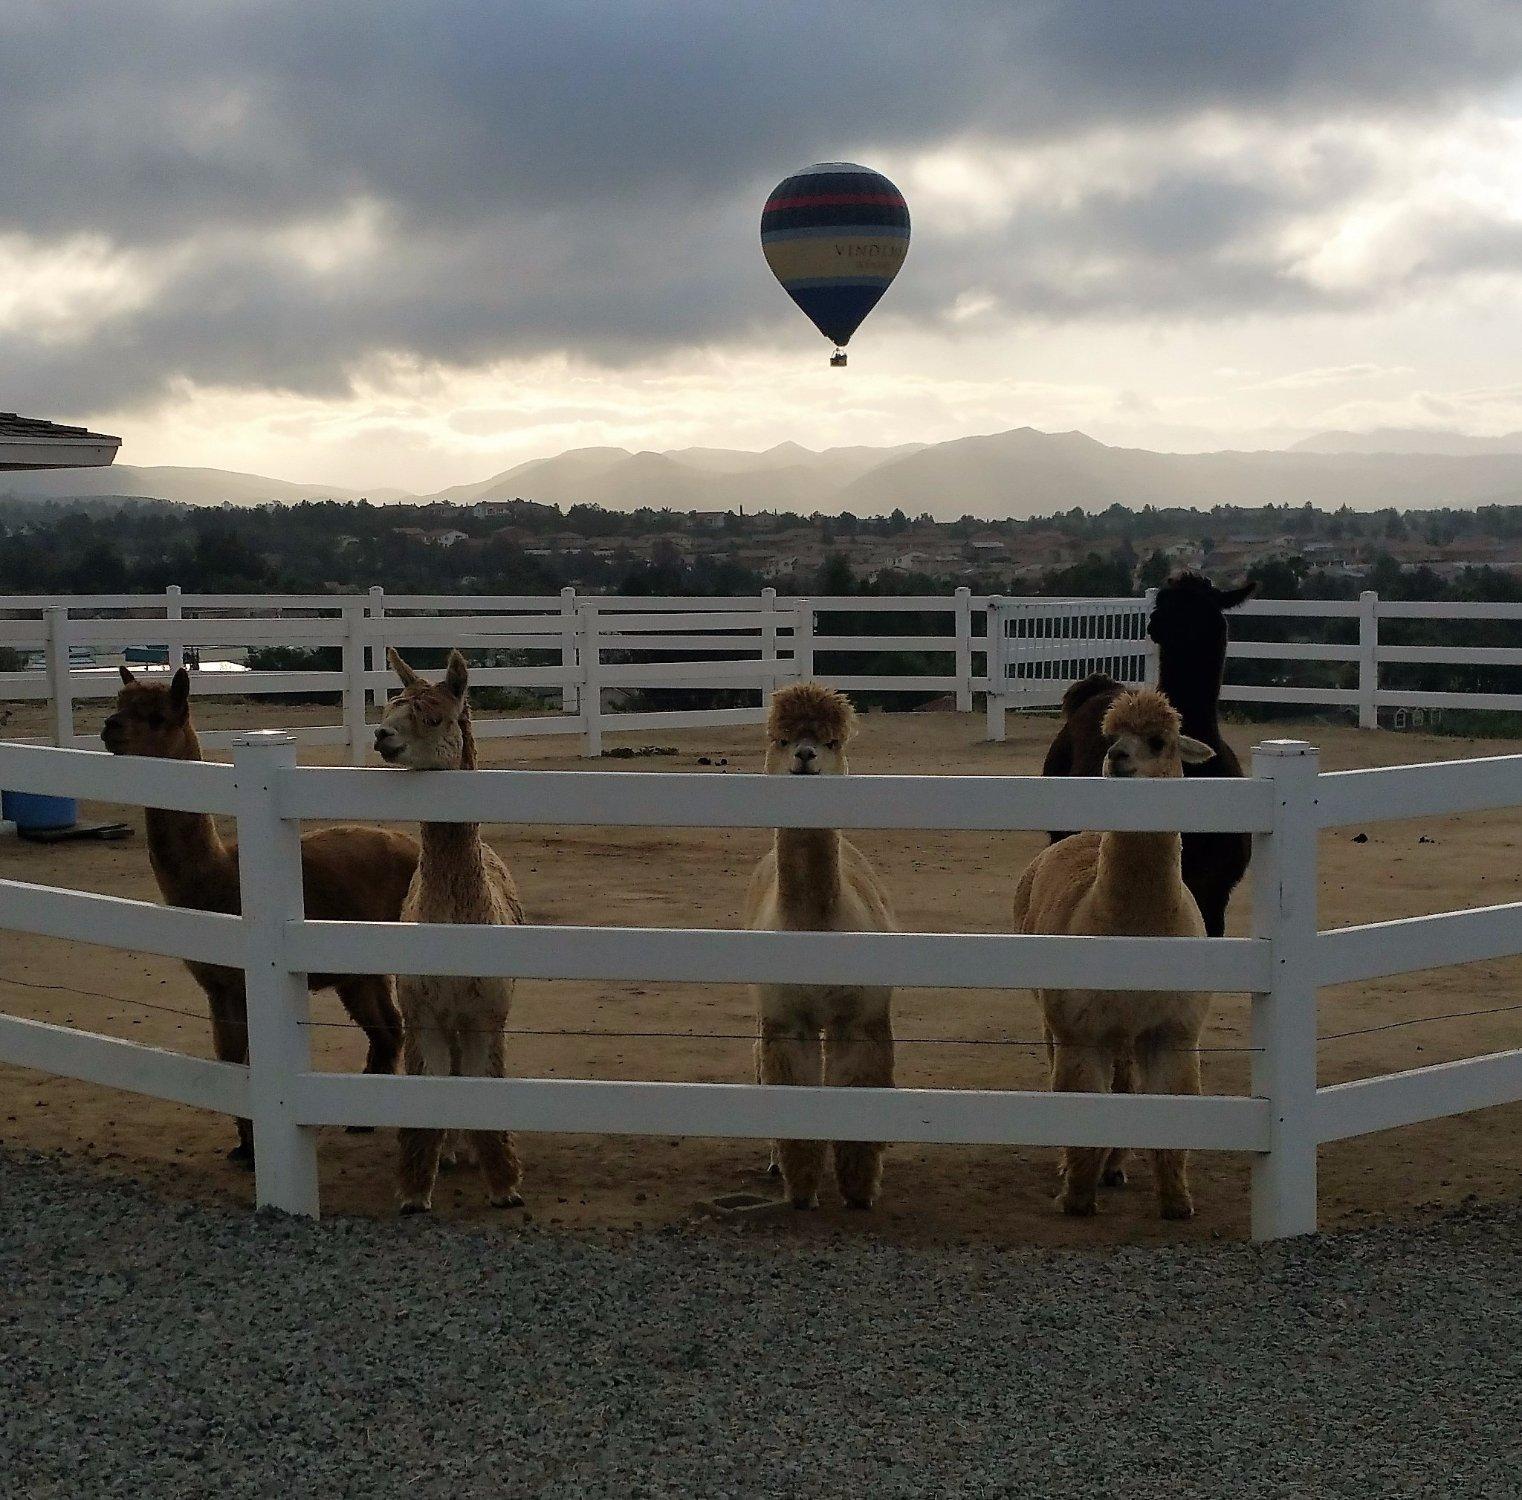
point(58, 453)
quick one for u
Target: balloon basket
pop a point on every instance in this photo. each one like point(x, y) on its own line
point(838, 359)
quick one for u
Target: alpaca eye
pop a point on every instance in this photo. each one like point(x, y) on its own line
point(1155, 744)
point(782, 744)
point(833, 745)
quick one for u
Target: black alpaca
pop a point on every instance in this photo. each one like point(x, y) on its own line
point(1189, 626)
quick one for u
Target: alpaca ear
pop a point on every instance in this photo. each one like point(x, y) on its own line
point(1194, 752)
point(1231, 598)
point(456, 675)
point(127, 676)
point(402, 670)
point(179, 693)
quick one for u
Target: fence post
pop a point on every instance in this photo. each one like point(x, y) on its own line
point(998, 669)
point(60, 688)
point(1285, 879)
point(174, 640)
point(964, 650)
point(768, 645)
point(1368, 660)
point(375, 651)
point(1149, 648)
point(570, 689)
point(590, 651)
point(355, 725)
point(803, 641)
point(279, 1052)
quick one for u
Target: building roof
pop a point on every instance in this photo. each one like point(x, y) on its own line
point(28, 443)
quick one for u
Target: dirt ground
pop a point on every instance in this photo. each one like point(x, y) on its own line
point(939, 881)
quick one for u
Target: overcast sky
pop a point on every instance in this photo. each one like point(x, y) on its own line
point(413, 244)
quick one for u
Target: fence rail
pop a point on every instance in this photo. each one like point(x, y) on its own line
point(1283, 803)
point(590, 650)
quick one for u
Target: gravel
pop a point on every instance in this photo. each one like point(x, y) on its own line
point(150, 1348)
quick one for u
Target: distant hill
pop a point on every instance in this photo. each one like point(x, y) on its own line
point(1019, 473)
point(786, 477)
point(1408, 440)
point(171, 482)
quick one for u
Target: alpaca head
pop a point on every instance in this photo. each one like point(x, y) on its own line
point(807, 730)
point(426, 726)
point(1146, 739)
point(1190, 613)
point(152, 718)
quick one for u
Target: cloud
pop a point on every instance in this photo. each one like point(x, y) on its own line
point(284, 197)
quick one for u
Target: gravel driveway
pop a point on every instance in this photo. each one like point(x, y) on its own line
point(153, 1349)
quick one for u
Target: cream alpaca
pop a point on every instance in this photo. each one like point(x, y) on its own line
point(813, 880)
point(1121, 885)
point(454, 1025)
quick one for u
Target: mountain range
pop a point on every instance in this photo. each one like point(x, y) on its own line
point(1019, 473)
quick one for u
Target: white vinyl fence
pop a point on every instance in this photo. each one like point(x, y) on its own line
point(1284, 803)
point(1018, 653)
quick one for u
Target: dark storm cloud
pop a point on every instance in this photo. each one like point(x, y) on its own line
point(588, 176)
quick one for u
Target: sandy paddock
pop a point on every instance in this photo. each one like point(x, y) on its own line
point(939, 881)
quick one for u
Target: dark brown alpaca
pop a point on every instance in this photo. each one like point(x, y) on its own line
point(350, 874)
point(1189, 626)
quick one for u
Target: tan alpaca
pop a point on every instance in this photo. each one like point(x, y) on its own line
point(1121, 885)
point(813, 880)
point(454, 1025)
point(349, 874)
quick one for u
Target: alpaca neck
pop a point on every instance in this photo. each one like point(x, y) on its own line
point(808, 874)
point(453, 858)
point(1192, 684)
point(1138, 872)
point(184, 848)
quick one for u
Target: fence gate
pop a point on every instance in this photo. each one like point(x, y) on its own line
point(1044, 645)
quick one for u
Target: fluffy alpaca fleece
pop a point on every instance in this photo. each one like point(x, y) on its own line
point(813, 880)
point(348, 874)
point(1121, 885)
point(454, 1025)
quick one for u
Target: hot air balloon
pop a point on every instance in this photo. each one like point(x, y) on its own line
point(835, 235)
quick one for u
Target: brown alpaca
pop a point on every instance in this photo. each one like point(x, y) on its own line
point(813, 880)
point(1121, 885)
point(454, 1025)
point(349, 874)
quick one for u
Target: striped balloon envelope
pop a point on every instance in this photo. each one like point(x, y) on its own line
point(835, 236)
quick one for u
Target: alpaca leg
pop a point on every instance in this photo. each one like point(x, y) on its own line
point(370, 1000)
point(859, 1055)
point(426, 1053)
point(790, 1055)
point(773, 1165)
point(229, 1040)
point(1169, 1064)
point(1122, 1081)
point(1087, 1070)
point(482, 1055)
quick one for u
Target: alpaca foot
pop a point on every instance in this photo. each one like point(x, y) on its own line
point(359, 1130)
point(414, 1206)
point(1177, 1208)
point(1076, 1207)
point(1114, 1177)
point(505, 1200)
point(242, 1155)
point(773, 1169)
point(863, 1204)
point(811, 1201)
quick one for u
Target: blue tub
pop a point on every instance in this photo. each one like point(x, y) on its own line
point(33, 810)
